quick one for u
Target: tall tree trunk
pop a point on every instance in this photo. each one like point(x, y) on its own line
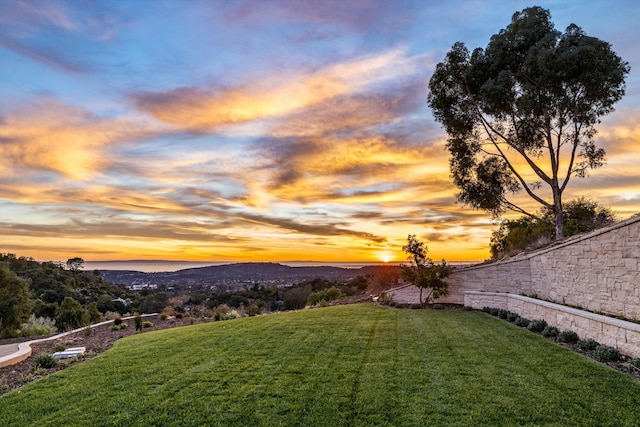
point(557, 211)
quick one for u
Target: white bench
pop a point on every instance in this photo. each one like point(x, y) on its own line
point(70, 352)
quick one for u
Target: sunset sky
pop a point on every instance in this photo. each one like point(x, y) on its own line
point(257, 130)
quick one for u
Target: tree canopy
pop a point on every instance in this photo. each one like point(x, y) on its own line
point(423, 272)
point(521, 114)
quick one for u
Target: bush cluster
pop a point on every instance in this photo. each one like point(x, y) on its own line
point(604, 353)
point(601, 353)
point(588, 344)
point(36, 326)
point(568, 337)
point(550, 332)
point(537, 325)
point(44, 360)
point(118, 326)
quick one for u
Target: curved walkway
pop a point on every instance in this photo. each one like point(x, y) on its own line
point(10, 354)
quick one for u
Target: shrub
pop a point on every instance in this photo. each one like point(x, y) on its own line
point(147, 324)
point(117, 321)
point(118, 327)
point(416, 306)
point(537, 325)
point(44, 360)
point(588, 344)
point(486, 309)
point(437, 306)
point(60, 347)
point(36, 326)
point(164, 316)
point(550, 332)
point(568, 337)
point(137, 320)
point(635, 363)
point(179, 315)
point(327, 295)
point(467, 308)
point(511, 316)
point(604, 353)
point(502, 313)
point(87, 331)
point(522, 322)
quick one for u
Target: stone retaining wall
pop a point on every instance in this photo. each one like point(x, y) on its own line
point(598, 271)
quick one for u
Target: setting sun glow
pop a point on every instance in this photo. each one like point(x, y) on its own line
point(256, 131)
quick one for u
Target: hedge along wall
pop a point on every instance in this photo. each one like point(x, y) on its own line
point(625, 336)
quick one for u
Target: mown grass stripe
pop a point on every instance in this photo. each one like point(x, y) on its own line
point(354, 365)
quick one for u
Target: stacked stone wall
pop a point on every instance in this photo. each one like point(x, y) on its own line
point(599, 272)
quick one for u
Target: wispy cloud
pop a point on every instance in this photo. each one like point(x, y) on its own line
point(47, 135)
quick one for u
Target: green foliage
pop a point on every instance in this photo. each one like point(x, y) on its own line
point(580, 216)
point(38, 326)
point(50, 283)
point(147, 324)
point(550, 332)
point(605, 353)
point(72, 315)
point(635, 362)
point(522, 322)
point(588, 344)
point(423, 272)
point(326, 295)
point(45, 361)
point(75, 264)
point(154, 303)
point(254, 308)
point(296, 298)
point(15, 304)
point(527, 104)
point(537, 325)
point(45, 309)
point(137, 320)
point(568, 337)
point(351, 365)
point(119, 326)
point(94, 314)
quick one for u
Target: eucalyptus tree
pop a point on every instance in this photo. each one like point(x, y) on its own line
point(521, 114)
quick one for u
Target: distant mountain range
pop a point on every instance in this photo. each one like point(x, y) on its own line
point(236, 275)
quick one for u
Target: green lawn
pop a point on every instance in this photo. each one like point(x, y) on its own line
point(355, 365)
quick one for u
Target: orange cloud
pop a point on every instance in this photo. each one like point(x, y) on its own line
point(200, 110)
point(49, 135)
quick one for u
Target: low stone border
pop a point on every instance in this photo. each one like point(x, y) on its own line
point(24, 348)
point(623, 335)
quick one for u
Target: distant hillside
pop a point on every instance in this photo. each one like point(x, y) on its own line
point(233, 275)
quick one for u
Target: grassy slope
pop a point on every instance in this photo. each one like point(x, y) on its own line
point(351, 365)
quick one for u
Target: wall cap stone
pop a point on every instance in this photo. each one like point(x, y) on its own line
point(586, 314)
